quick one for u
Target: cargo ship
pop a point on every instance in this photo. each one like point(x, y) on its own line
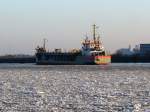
point(91, 52)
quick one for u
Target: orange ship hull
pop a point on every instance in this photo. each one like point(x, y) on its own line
point(99, 60)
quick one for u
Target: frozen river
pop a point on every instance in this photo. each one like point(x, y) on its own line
point(109, 88)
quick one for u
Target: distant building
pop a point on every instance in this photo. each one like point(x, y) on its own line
point(136, 50)
point(145, 49)
point(139, 50)
point(125, 51)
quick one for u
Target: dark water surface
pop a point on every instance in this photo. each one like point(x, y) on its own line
point(69, 88)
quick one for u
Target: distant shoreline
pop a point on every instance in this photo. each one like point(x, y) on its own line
point(17, 59)
point(115, 59)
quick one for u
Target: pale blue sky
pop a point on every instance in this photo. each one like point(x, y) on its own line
point(23, 23)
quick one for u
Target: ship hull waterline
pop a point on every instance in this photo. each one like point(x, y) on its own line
point(80, 60)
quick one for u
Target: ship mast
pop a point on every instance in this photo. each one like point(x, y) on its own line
point(94, 29)
point(44, 43)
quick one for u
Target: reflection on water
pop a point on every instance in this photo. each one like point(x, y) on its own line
point(113, 88)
